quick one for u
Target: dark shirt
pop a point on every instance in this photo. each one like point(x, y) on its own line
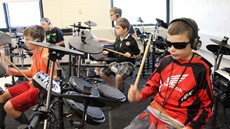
point(128, 44)
point(54, 36)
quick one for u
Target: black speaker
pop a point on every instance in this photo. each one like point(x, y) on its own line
point(118, 12)
point(196, 42)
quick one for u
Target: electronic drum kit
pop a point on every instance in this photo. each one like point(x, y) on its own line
point(220, 77)
point(88, 103)
point(222, 48)
point(83, 97)
point(5, 40)
point(8, 48)
point(86, 98)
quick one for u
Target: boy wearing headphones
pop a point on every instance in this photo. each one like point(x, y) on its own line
point(115, 14)
point(181, 82)
point(127, 45)
point(54, 35)
point(17, 99)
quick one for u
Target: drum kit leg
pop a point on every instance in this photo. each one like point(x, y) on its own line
point(157, 43)
point(222, 48)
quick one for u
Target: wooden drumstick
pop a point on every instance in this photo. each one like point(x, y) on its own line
point(17, 68)
point(115, 51)
point(143, 62)
point(121, 53)
point(165, 114)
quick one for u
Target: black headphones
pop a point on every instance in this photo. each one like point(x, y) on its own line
point(117, 15)
point(196, 42)
point(45, 20)
point(38, 33)
point(118, 12)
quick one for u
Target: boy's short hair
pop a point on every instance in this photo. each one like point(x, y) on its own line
point(36, 32)
point(116, 11)
point(124, 23)
point(187, 27)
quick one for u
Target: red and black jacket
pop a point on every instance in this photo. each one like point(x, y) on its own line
point(191, 99)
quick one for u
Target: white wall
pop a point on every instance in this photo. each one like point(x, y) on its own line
point(212, 16)
point(64, 13)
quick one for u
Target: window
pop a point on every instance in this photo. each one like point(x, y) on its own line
point(24, 13)
point(147, 10)
point(19, 14)
point(2, 17)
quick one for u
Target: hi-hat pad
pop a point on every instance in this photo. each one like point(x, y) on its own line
point(4, 39)
point(216, 49)
point(221, 43)
point(90, 23)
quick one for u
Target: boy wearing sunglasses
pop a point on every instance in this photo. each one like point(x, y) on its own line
point(181, 82)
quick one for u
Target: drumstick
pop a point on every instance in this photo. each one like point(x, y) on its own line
point(165, 114)
point(114, 51)
point(17, 68)
point(143, 62)
point(121, 53)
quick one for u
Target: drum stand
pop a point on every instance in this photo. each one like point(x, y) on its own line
point(82, 125)
point(153, 47)
point(79, 62)
point(87, 61)
point(11, 59)
point(43, 111)
point(21, 56)
point(218, 57)
point(54, 55)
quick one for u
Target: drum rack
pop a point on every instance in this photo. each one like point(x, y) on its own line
point(219, 80)
point(21, 47)
point(153, 56)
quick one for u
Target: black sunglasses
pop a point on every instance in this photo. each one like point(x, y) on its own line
point(177, 45)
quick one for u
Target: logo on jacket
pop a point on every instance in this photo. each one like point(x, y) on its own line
point(127, 43)
point(171, 81)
